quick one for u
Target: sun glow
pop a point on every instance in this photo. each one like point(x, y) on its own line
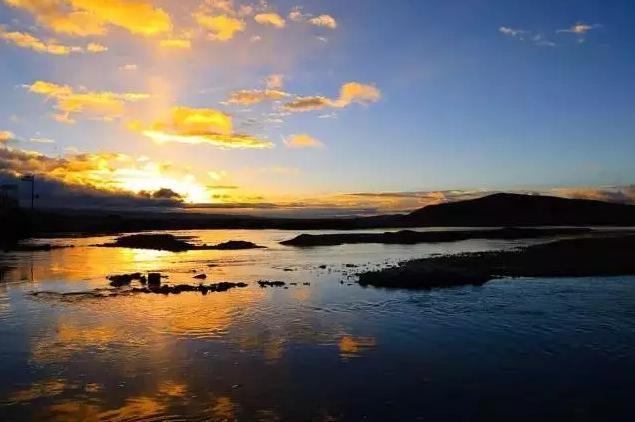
point(142, 180)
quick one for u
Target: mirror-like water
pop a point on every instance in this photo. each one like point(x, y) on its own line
point(329, 350)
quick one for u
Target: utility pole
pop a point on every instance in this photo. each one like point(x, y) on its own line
point(30, 178)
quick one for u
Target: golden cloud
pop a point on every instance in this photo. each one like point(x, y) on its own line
point(275, 81)
point(96, 48)
point(303, 141)
point(101, 104)
point(308, 103)
point(580, 28)
point(105, 171)
point(26, 40)
point(355, 92)
point(6, 135)
point(199, 126)
point(176, 43)
point(129, 67)
point(255, 96)
point(221, 27)
point(92, 17)
point(327, 21)
point(272, 19)
point(350, 92)
point(227, 7)
point(296, 15)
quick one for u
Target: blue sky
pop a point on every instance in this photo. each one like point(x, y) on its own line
point(491, 95)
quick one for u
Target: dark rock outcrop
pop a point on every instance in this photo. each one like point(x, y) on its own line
point(125, 279)
point(266, 283)
point(168, 242)
point(154, 279)
point(593, 256)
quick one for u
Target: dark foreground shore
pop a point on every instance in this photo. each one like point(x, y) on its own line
point(593, 256)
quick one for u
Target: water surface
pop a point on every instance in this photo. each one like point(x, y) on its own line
point(329, 350)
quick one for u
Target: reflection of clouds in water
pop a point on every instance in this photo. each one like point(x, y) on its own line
point(173, 389)
point(351, 347)
point(39, 389)
point(135, 408)
point(82, 409)
point(224, 409)
point(71, 337)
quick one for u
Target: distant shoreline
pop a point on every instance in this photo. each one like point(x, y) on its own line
point(498, 210)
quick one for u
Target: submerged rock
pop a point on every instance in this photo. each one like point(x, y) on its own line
point(223, 286)
point(266, 283)
point(125, 279)
point(154, 279)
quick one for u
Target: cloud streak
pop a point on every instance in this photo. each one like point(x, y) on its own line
point(94, 17)
point(303, 141)
point(221, 27)
point(255, 96)
point(272, 19)
point(105, 105)
point(350, 93)
point(199, 126)
point(51, 46)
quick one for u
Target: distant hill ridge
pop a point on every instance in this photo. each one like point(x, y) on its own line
point(509, 209)
point(502, 209)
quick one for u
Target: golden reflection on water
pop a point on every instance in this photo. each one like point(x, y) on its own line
point(39, 389)
point(224, 409)
point(351, 347)
point(143, 334)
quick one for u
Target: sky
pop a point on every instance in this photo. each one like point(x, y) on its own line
point(359, 105)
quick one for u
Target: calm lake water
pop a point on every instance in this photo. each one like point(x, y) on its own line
point(330, 350)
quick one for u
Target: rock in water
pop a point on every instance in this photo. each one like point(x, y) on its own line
point(154, 279)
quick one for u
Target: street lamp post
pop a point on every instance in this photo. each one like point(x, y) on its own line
point(30, 178)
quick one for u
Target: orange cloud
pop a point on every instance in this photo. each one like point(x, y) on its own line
point(221, 27)
point(96, 48)
point(6, 135)
point(92, 17)
point(105, 171)
point(355, 92)
point(308, 104)
point(350, 92)
point(105, 105)
point(272, 19)
point(255, 96)
point(176, 43)
point(199, 126)
point(26, 40)
point(303, 141)
point(327, 21)
point(275, 81)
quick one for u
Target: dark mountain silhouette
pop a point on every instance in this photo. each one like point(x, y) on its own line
point(494, 210)
point(507, 209)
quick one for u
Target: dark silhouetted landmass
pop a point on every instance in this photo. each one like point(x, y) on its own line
point(234, 245)
point(409, 237)
point(168, 242)
point(507, 209)
point(494, 210)
point(592, 256)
